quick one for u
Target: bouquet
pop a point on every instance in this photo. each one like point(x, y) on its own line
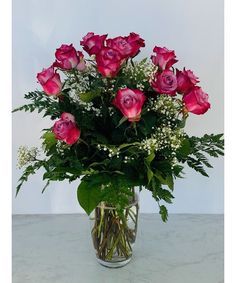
point(117, 123)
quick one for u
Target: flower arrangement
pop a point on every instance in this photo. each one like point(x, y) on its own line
point(119, 123)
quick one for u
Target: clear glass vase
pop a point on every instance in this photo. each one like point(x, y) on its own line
point(114, 233)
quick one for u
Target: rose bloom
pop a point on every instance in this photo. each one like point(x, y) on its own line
point(108, 62)
point(66, 56)
point(92, 43)
point(130, 103)
point(127, 46)
point(50, 81)
point(164, 58)
point(185, 79)
point(81, 65)
point(65, 129)
point(165, 82)
point(196, 101)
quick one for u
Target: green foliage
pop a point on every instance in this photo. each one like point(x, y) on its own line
point(108, 187)
point(147, 162)
point(89, 96)
point(49, 140)
point(164, 213)
point(89, 193)
point(40, 102)
point(29, 170)
point(193, 149)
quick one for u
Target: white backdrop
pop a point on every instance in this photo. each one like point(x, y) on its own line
point(193, 28)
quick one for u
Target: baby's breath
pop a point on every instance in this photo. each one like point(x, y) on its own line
point(139, 72)
point(111, 151)
point(163, 138)
point(166, 105)
point(26, 155)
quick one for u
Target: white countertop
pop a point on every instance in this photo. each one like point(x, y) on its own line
point(58, 248)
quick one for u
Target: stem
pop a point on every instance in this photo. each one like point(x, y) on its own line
point(81, 140)
point(112, 236)
point(135, 128)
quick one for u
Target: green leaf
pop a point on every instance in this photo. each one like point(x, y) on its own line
point(185, 149)
point(29, 170)
point(182, 123)
point(122, 120)
point(89, 96)
point(40, 102)
point(165, 180)
point(197, 166)
point(148, 121)
point(49, 140)
point(89, 192)
point(170, 182)
point(149, 175)
point(89, 195)
point(178, 170)
point(164, 213)
point(165, 195)
point(46, 185)
point(128, 144)
point(147, 162)
point(150, 158)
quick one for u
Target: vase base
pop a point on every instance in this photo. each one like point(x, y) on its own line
point(114, 264)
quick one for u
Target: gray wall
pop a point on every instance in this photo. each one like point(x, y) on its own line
point(193, 28)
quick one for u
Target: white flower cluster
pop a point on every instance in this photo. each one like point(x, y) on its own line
point(111, 151)
point(88, 106)
point(111, 110)
point(128, 158)
point(140, 86)
point(163, 138)
point(166, 105)
point(139, 72)
point(78, 85)
point(26, 155)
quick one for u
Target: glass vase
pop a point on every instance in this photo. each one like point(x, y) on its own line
point(114, 232)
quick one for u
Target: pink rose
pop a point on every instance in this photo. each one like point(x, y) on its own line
point(196, 101)
point(121, 45)
point(127, 46)
point(186, 79)
point(130, 103)
point(65, 129)
point(82, 65)
point(50, 81)
point(108, 62)
point(163, 58)
point(92, 43)
point(136, 42)
point(165, 83)
point(66, 56)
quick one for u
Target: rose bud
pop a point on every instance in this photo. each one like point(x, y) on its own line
point(136, 42)
point(165, 83)
point(108, 62)
point(92, 43)
point(65, 129)
point(163, 58)
point(127, 46)
point(196, 101)
point(50, 81)
point(82, 65)
point(66, 56)
point(185, 79)
point(130, 103)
